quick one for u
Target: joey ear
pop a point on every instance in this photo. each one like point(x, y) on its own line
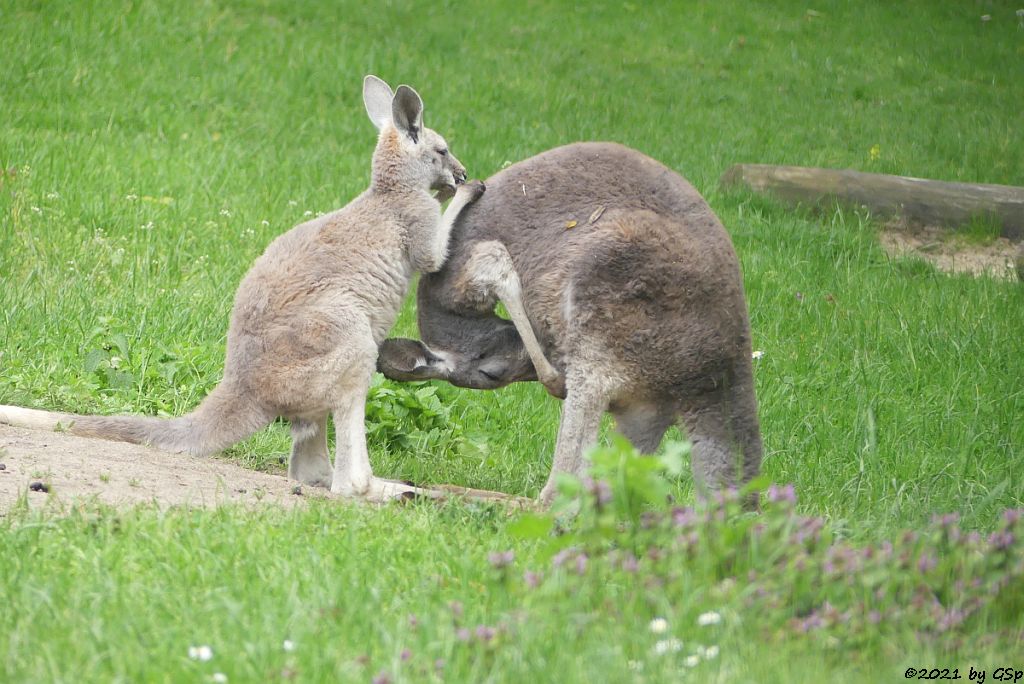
point(377, 98)
point(407, 112)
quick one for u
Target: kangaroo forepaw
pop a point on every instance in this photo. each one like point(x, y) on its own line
point(471, 190)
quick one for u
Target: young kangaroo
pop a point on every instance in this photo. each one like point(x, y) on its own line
point(616, 269)
point(310, 314)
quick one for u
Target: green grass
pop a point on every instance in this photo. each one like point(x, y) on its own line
point(150, 152)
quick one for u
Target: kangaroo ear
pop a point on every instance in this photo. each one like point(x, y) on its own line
point(377, 97)
point(406, 360)
point(407, 112)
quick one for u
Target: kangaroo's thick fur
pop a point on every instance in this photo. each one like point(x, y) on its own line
point(310, 314)
point(625, 295)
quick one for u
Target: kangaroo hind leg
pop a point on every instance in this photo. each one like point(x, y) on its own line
point(726, 449)
point(585, 402)
point(309, 462)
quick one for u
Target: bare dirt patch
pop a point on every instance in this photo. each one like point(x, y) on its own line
point(951, 253)
point(75, 469)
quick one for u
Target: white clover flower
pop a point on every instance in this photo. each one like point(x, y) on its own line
point(37, 209)
point(131, 197)
point(264, 223)
point(658, 626)
point(115, 362)
point(668, 646)
point(52, 195)
point(225, 212)
point(692, 661)
point(292, 203)
point(288, 645)
point(636, 665)
point(709, 653)
point(308, 212)
point(200, 653)
point(219, 678)
point(757, 354)
point(709, 618)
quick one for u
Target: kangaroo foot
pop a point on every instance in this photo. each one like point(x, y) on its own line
point(554, 383)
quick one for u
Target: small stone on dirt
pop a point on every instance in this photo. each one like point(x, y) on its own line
point(39, 487)
point(297, 490)
point(3, 466)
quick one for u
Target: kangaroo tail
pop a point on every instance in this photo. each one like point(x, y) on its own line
point(224, 417)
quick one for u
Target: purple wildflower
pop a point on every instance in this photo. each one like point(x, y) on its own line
point(532, 579)
point(951, 618)
point(485, 633)
point(501, 559)
point(809, 529)
point(683, 517)
point(1003, 539)
point(926, 562)
point(946, 520)
point(1013, 515)
point(726, 496)
point(630, 563)
point(559, 558)
point(581, 564)
point(786, 494)
point(382, 678)
point(811, 622)
point(405, 655)
point(463, 635)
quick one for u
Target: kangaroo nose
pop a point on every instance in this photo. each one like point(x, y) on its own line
point(460, 176)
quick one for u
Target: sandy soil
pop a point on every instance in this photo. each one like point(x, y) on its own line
point(941, 248)
point(77, 469)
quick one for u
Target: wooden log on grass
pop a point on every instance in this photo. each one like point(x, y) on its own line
point(918, 200)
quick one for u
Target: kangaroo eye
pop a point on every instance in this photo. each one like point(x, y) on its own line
point(443, 152)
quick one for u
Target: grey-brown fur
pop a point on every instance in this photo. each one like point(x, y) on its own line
point(310, 314)
point(633, 290)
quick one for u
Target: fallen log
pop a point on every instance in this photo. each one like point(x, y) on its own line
point(917, 200)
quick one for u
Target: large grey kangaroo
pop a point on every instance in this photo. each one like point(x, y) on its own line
point(310, 314)
point(616, 269)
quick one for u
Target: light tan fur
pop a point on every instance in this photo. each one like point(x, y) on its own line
point(310, 314)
